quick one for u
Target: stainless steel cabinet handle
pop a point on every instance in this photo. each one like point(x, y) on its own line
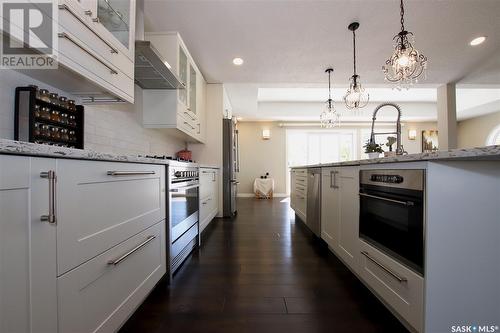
point(130, 173)
point(184, 188)
point(52, 217)
point(333, 179)
point(389, 271)
point(65, 35)
point(192, 118)
point(89, 13)
point(96, 20)
point(199, 128)
point(135, 249)
point(406, 203)
point(186, 123)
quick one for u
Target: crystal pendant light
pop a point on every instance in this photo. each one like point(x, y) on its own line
point(355, 97)
point(406, 64)
point(329, 117)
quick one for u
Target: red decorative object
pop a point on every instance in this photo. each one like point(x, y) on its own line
point(184, 155)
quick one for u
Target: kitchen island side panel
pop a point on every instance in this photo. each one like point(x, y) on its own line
point(462, 245)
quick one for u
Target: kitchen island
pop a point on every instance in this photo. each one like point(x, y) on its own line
point(453, 279)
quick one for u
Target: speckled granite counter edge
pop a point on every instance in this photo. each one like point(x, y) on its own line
point(33, 149)
point(473, 154)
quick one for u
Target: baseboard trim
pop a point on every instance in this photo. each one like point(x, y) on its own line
point(251, 195)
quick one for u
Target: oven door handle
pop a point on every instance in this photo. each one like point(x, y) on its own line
point(405, 203)
point(184, 188)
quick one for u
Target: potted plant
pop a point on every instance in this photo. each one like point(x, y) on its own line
point(373, 149)
point(390, 141)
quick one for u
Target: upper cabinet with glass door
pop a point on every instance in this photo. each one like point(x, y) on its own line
point(116, 20)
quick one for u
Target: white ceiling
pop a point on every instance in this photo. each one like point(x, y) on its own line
point(288, 44)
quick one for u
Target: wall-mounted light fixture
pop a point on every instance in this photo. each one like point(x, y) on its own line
point(412, 134)
point(266, 134)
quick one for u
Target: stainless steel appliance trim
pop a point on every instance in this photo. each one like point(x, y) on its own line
point(413, 179)
point(405, 203)
point(68, 37)
point(130, 252)
point(385, 268)
point(130, 173)
point(52, 216)
point(88, 13)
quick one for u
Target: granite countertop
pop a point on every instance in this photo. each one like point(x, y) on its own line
point(489, 153)
point(34, 149)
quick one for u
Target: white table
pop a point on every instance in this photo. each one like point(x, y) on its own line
point(263, 187)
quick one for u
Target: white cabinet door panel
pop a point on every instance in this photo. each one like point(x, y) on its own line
point(99, 296)
point(349, 215)
point(97, 211)
point(28, 297)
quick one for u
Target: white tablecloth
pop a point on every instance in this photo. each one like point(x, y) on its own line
point(263, 187)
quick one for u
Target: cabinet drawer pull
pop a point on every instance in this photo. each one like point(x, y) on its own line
point(186, 123)
point(65, 35)
point(387, 270)
point(89, 13)
point(52, 217)
point(192, 118)
point(130, 252)
point(130, 173)
point(333, 179)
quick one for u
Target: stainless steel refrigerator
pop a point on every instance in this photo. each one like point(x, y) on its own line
point(230, 167)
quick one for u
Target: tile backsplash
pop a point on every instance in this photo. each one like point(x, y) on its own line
point(108, 128)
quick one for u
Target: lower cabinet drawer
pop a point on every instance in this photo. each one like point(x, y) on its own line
point(398, 286)
point(100, 295)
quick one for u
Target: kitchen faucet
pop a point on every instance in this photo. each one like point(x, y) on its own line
point(399, 146)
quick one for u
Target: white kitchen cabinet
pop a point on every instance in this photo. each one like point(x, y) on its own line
point(348, 180)
point(100, 295)
point(28, 285)
point(95, 53)
point(56, 276)
point(101, 204)
point(397, 285)
point(209, 195)
point(299, 193)
point(330, 203)
point(181, 109)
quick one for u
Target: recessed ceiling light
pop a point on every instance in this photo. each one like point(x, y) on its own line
point(477, 41)
point(238, 61)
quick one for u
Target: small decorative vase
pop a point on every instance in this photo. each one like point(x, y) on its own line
point(389, 153)
point(373, 155)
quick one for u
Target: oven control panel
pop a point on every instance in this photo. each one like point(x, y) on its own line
point(391, 179)
point(185, 173)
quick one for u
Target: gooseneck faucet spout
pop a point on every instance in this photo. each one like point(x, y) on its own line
point(399, 147)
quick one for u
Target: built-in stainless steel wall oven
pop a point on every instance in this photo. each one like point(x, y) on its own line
point(183, 206)
point(392, 214)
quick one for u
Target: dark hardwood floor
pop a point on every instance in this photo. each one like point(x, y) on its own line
point(262, 272)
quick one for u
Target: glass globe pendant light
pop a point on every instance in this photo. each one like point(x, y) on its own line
point(355, 97)
point(406, 64)
point(329, 117)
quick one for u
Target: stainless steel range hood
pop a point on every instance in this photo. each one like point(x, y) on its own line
point(151, 71)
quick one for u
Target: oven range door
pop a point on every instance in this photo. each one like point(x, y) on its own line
point(184, 206)
point(393, 221)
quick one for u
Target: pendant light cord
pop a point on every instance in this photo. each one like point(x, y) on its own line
point(354, 52)
point(402, 16)
point(329, 91)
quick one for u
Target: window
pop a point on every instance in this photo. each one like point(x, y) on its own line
point(320, 146)
point(494, 137)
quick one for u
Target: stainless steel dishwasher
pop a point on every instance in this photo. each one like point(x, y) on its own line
point(313, 211)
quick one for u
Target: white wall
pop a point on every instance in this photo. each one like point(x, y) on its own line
point(108, 128)
point(474, 132)
point(258, 156)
